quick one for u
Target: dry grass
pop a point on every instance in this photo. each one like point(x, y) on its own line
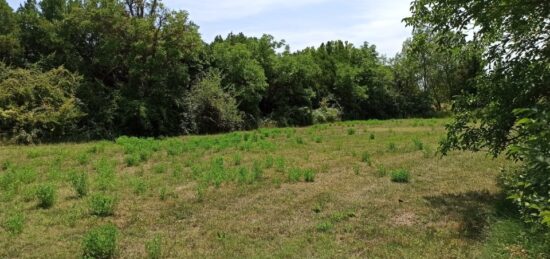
point(348, 211)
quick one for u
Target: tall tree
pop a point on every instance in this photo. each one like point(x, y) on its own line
point(509, 107)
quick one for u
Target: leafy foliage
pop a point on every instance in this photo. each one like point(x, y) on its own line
point(507, 107)
point(37, 105)
point(101, 242)
point(211, 110)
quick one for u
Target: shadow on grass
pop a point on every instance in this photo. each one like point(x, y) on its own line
point(471, 210)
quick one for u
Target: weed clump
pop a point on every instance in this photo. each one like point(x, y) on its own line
point(351, 131)
point(309, 175)
point(79, 182)
point(294, 175)
point(324, 226)
point(153, 248)
point(101, 242)
point(381, 171)
point(46, 195)
point(392, 147)
point(102, 205)
point(418, 145)
point(365, 158)
point(400, 176)
point(14, 223)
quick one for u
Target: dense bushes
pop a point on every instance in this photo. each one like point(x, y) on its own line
point(37, 105)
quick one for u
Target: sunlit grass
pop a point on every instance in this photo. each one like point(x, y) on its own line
point(321, 191)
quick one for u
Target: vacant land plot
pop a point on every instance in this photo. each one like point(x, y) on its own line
point(354, 189)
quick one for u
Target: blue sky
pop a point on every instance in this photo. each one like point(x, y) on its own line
point(302, 23)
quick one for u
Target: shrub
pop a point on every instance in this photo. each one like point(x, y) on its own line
point(324, 226)
point(38, 105)
point(163, 193)
point(79, 181)
point(132, 160)
point(237, 159)
point(392, 147)
point(309, 175)
point(418, 144)
point(153, 248)
point(269, 161)
point(46, 196)
point(102, 205)
point(371, 136)
point(211, 110)
point(381, 171)
point(139, 186)
point(101, 242)
point(294, 175)
point(160, 168)
point(318, 139)
point(257, 171)
point(365, 157)
point(400, 176)
point(326, 114)
point(351, 131)
point(14, 223)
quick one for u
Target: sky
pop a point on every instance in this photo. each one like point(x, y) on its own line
point(301, 23)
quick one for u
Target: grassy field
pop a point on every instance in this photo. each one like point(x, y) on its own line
point(353, 189)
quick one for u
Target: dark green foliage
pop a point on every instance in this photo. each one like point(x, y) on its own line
point(46, 195)
point(400, 176)
point(102, 205)
point(100, 242)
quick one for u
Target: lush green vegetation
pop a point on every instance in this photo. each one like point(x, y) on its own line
point(260, 193)
point(105, 68)
point(108, 69)
point(507, 108)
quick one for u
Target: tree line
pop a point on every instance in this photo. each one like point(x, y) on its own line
point(103, 68)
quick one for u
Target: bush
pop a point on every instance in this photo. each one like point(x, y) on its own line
point(46, 196)
point(326, 114)
point(400, 176)
point(101, 242)
point(36, 105)
point(210, 109)
point(351, 131)
point(102, 205)
point(79, 181)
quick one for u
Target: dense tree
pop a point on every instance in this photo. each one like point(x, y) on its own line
point(508, 107)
